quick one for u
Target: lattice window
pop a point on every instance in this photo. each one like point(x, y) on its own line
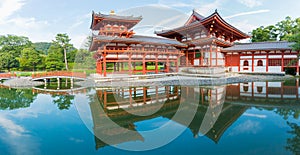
point(275, 62)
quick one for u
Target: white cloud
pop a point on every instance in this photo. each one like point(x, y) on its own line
point(244, 26)
point(248, 127)
point(251, 3)
point(255, 115)
point(201, 7)
point(174, 3)
point(17, 137)
point(11, 128)
point(29, 27)
point(247, 13)
point(12, 23)
point(9, 7)
point(206, 9)
point(78, 40)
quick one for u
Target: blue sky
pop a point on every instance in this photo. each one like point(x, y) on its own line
point(41, 20)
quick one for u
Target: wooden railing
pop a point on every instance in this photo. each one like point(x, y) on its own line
point(59, 73)
point(7, 75)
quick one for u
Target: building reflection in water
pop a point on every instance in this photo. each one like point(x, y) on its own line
point(264, 94)
point(218, 107)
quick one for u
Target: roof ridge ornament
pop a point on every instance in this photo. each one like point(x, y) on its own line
point(112, 12)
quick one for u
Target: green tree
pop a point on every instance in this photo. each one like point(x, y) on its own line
point(10, 50)
point(296, 39)
point(54, 59)
point(63, 41)
point(29, 59)
point(282, 31)
point(8, 61)
point(264, 34)
point(285, 28)
point(42, 47)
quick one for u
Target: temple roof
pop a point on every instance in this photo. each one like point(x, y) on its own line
point(203, 41)
point(194, 17)
point(214, 18)
point(113, 16)
point(260, 46)
point(136, 39)
point(98, 17)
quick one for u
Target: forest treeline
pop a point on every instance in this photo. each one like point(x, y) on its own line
point(18, 53)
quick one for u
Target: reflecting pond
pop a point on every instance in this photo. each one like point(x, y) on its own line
point(244, 118)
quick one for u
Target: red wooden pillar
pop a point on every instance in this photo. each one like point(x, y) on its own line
point(99, 67)
point(252, 61)
point(201, 57)
point(104, 64)
point(210, 55)
point(267, 62)
point(156, 63)
point(282, 65)
point(144, 64)
point(239, 68)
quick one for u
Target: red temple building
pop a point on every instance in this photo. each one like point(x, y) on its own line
point(204, 44)
point(262, 57)
point(117, 45)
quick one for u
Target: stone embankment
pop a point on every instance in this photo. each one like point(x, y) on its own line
point(182, 80)
point(21, 82)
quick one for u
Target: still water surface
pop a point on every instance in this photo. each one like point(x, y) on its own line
point(245, 118)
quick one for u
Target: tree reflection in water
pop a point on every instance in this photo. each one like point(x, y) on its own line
point(293, 142)
point(11, 99)
point(63, 101)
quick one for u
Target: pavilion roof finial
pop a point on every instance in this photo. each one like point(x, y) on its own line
point(112, 12)
point(216, 10)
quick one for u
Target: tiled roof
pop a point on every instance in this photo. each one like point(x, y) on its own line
point(201, 23)
point(117, 17)
point(141, 39)
point(260, 46)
